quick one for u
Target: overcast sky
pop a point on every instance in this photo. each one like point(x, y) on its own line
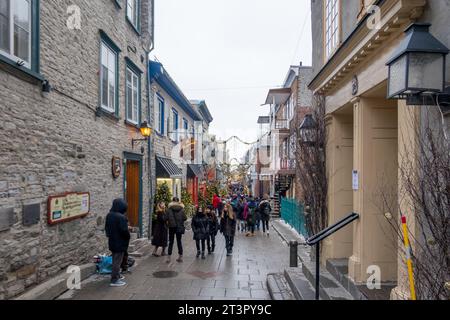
point(230, 53)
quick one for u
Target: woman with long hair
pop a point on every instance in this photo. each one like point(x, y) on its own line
point(160, 233)
point(228, 227)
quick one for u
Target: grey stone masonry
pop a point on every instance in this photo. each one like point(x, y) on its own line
point(55, 143)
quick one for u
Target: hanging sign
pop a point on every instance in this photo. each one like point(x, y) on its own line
point(68, 207)
point(116, 167)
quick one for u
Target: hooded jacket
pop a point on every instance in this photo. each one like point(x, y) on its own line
point(175, 214)
point(265, 209)
point(116, 227)
point(200, 226)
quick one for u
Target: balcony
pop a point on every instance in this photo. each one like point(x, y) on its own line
point(282, 127)
point(287, 166)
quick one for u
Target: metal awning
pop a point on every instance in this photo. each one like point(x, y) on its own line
point(166, 168)
point(278, 96)
point(195, 170)
point(264, 120)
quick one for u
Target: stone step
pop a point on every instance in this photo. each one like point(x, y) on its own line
point(142, 252)
point(137, 244)
point(278, 287)
point(330, 288)
point(299, 284)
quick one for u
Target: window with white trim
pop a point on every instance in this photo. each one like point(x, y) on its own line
point(160, 116)
point(132, 96)
point(15, 30)
point(133, 12)
point(108, 78)
point(174, 125)
point(332, 26)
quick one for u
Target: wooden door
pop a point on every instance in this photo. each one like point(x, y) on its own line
point(133, 192)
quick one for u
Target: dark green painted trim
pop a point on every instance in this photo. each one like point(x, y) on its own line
point(133, 66)
point(136, 70)
point(14, 67)
point(137, 28)
point(110, 43)
point(136, 157)
point(35, 37)
point(118, 4)
point(34, 71)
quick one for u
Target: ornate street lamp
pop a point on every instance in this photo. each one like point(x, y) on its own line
point(417, 69)
point(146, 132)
point(308, 131)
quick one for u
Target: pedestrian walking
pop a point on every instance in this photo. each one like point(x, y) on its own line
point(250, 217)
point(228, 227)
point(176, 217)
point(257, 216)
point(160, 235)
point(242, 224)
point(200, 228)
point(266, 210)
point(213, 229)
point(216, 203)
point(118, 233)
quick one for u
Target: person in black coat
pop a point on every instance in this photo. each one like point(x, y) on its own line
point(213, 229)
point(176, 216)
point(118, 233)
point(228, 227)
point(200, 228)
point(160, 233)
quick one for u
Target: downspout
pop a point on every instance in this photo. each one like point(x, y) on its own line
point(149, 115)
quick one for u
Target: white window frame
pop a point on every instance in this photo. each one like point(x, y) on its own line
point(105, 46)
point(133, 5)
point(135, 101)
point(175, 124)
point(10, 54)
point(332, 26)
point(160, 115)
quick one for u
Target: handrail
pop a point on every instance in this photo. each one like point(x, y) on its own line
point(322, 235)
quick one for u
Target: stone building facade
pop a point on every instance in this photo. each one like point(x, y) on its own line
point(63, 141)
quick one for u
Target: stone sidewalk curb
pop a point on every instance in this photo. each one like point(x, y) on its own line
point(53, 288)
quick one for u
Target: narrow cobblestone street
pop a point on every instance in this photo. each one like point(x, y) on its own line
point(240, 277)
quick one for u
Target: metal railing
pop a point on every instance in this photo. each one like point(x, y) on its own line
point(322, 235)
point(292, 212)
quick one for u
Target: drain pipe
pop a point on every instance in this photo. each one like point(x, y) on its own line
point(149, 116)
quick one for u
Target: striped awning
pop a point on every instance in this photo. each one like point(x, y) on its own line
point(166, 168)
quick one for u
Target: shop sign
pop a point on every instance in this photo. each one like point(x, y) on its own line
point(67, 207)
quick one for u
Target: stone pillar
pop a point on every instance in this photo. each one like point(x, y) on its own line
point(408, 122)
point(375, 158)
point(340, 195)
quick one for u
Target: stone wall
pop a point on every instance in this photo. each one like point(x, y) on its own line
point(55, 144)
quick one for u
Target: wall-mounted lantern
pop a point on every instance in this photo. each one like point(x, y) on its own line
point(308, 131)
point(146, 132)
point(417, 69)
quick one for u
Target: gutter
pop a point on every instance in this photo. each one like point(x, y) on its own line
point(345, 43)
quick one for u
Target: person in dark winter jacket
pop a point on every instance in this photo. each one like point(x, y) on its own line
point(265, 209)
point(228, 227)
point(118, 233)
point(250, 217)
point(160, 233)
point(213, 229)
point(176, 217)
point(200, 228)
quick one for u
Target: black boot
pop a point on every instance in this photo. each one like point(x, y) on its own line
point(213, 248)
point(209, 251)
point(198, 254)
point(203, 256)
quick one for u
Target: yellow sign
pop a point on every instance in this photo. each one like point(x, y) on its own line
point(68, 207)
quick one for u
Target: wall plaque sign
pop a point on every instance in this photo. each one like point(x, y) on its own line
point(67, 207)
point(116, 167)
